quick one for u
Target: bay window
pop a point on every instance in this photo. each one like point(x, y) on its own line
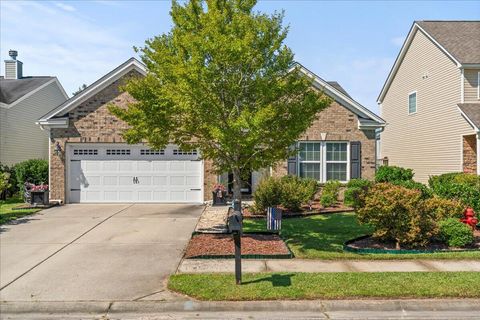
point(323, 161)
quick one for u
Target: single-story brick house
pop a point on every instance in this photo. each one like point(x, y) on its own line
point(90, 162)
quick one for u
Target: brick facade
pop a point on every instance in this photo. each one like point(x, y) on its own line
point(470, 154)
point(340, 124)
point(91, 122)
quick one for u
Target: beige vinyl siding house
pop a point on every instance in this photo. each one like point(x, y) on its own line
point(23, 101)
point(431, 139)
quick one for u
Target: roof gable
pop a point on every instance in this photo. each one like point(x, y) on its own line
point(13, 91)
point(97, 86)
point(455, 39)
point(334, 90)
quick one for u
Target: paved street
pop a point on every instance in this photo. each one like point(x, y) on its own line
point(94, 252)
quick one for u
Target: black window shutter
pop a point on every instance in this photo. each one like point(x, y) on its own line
point(292, 163)
point(355, 160)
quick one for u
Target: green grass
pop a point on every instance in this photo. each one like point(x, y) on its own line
point(7, 214)
point(291, 286)
point(323, 236)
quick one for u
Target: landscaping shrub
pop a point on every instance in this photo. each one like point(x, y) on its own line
point(396, 215)
point(33, 171)
point(462, 186)
point(290, 192)
point(455, 233)
point(412, 185)
point(9, 184)
point(330, 192)
point(355, 192)
point(393, 174)
point(441, 209)
point(267, 194)
point(296, 191)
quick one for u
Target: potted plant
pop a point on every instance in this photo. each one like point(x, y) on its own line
point(39, 194)
point(219, 195)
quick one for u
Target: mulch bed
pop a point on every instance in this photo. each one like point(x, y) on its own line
point(372, 243)
point(306, 211)
point(221, 245)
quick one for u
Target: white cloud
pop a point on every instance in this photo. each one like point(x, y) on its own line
point(53, 42)
point(65, 7)
point(398, 41)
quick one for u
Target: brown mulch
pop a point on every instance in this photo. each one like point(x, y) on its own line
point(372, 243)
point(317, 208)
point(222, 245)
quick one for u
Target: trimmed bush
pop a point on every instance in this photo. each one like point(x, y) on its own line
point(396, 214)
point(355, 192)
point(330, 192)
point(441, 209)
point(393, 174)
point(33, 171)
point(267, 194)
point(461, 186)
point(412, 185)
point(455, 233)
point(290, 192)
point(296, 191)
point(9, 184)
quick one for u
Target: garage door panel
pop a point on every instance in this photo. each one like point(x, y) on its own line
point(99, 176)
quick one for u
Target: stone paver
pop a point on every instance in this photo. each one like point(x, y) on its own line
point(298, 265)
point(213, 220)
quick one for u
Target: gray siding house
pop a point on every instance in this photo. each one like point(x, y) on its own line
point(431, 100)
point(22, 101)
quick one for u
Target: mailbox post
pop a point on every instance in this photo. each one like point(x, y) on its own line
point(235, 227)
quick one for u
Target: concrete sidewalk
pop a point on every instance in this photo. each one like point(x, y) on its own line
point(298, 265)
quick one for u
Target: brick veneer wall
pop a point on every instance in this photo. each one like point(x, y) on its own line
point(470, 154)
point(340, 124)
point(91, 122)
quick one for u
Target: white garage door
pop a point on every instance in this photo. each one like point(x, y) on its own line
point(133, 173)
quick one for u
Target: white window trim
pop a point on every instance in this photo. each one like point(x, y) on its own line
point(416, 102)
point(323, 158)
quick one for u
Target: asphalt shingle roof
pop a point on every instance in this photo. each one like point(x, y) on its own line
point(13, 89)
point(337, 86)
point(472, 111)
point(460, 38)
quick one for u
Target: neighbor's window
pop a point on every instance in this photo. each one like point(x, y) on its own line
point(412, 102)
point(323, 161)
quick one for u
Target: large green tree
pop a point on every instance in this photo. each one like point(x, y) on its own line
point(222, 81)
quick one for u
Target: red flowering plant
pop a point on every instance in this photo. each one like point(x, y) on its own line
point(219, 189)
point(39, 188)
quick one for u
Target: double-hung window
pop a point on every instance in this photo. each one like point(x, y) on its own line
point(323, 161)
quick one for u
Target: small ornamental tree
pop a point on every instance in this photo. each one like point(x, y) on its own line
point(222, 81)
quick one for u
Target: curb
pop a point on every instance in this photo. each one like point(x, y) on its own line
point(146, 307)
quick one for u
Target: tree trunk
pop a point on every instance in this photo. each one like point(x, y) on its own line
point(237, 185)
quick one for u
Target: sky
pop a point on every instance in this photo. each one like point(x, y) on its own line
point(352, 42)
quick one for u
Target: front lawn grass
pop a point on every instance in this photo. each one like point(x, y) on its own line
point(323, 236)
point(341, 285)
point(8, 214)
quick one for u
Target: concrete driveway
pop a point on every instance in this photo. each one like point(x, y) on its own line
point(95, 252)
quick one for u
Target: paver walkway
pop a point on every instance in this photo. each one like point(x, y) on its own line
point(213, 220)
point(299, 265)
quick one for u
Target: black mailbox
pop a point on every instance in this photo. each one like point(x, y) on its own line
point(235, 221)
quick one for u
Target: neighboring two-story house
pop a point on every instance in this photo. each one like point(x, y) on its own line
point(431, 100)
point(90, 161)
point(22, 101)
